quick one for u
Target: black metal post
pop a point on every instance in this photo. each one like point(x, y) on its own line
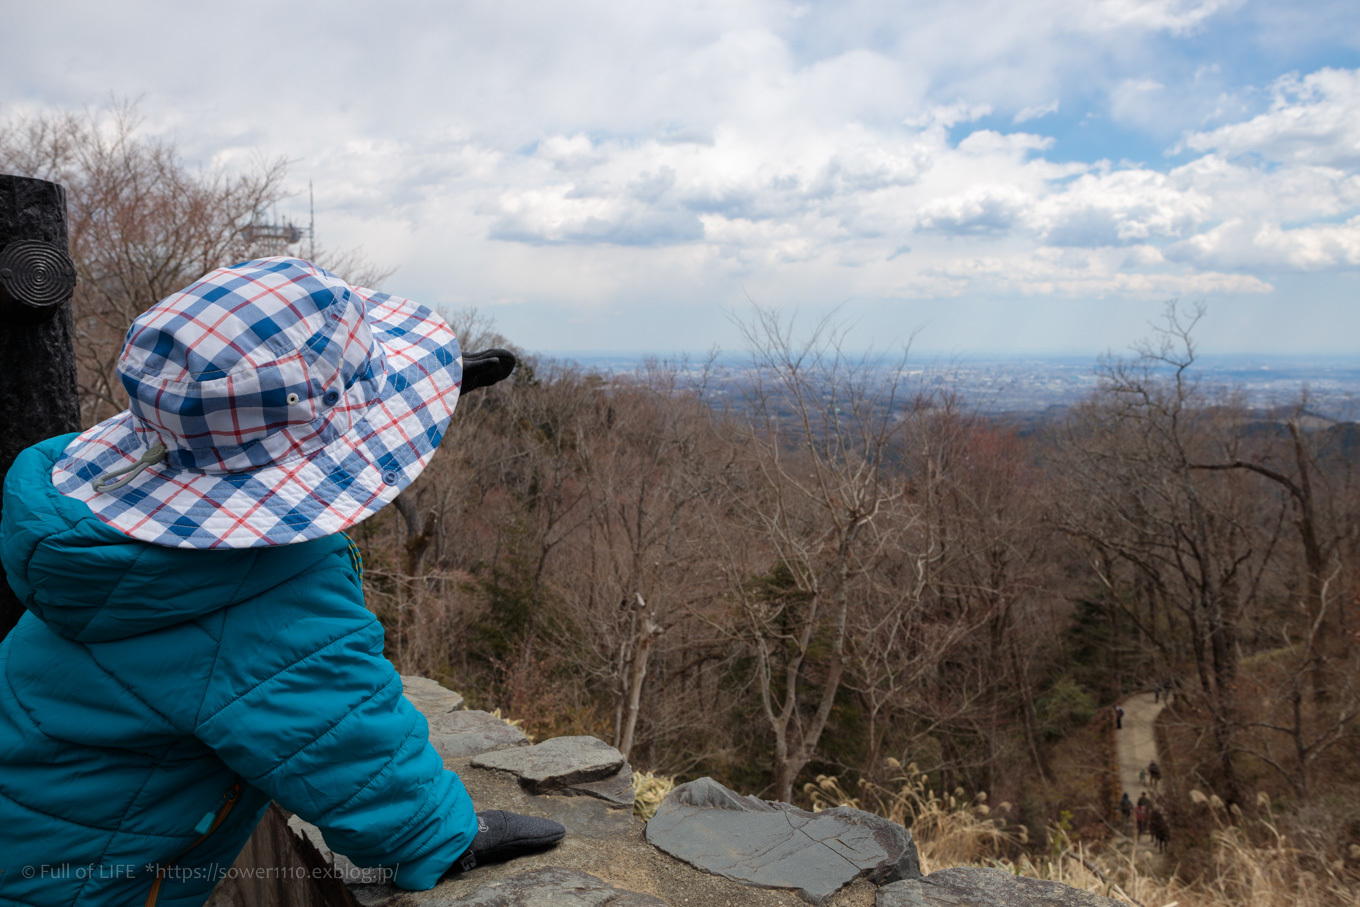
point(37, 354)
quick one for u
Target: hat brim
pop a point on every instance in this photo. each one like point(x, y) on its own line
point(322, 492)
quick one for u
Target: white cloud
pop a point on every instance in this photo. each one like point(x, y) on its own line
point(979, 211)
point(1090, 275)
point(1312, 120)
point(1248, 246)
point(947, 115)
point(569, 153)
point(591, 155)
point(848, 197)
point(1119, 207)
point(1139, 102)
point(1010, 144)
point(1035, 112)
point(1176, 16)
point(1291, 193)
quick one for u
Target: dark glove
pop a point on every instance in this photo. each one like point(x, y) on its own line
point(485, 368)
point(503, 835)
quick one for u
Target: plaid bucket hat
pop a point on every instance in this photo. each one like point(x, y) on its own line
point(270, 403)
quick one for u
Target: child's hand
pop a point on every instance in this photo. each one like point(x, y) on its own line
point(486, 367)
point(504, 835)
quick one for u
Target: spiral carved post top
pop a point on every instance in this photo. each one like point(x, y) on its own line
point(36, 279)
point(38, 397)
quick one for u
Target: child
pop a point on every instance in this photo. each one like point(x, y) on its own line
point(197, 642)
point(1140, 815)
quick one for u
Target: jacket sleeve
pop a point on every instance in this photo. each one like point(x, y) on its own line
point(303, 705)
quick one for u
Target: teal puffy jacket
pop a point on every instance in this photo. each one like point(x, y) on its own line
point(153, 700)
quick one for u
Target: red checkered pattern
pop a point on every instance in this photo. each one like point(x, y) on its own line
point(291, 404)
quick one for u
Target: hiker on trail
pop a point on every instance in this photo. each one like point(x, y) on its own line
point(1160, 830)
point(1157, 691)
point(1154, 772)
point(1126, 808)
point(1118, 717)
point(1141, 813)
point(196, 642)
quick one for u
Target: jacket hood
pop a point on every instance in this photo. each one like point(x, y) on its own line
point(89, 582)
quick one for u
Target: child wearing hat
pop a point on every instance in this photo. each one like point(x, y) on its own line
point(196, 642)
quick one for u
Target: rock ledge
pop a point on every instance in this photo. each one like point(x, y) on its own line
point(706, 846)
point(777, 845)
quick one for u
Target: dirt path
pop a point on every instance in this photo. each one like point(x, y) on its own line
point(1136, 747)
point(1137, 743)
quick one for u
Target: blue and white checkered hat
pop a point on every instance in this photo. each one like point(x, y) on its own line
point(270, 403)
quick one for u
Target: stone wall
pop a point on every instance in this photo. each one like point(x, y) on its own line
point(706, 845)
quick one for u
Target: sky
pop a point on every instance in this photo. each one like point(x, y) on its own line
point(976, 177)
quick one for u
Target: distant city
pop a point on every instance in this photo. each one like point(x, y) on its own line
point(1033, 384)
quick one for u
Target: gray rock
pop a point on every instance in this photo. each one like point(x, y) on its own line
point(429, 697)
point(554, 887)
point(777, 845)
point(557, 763)
point(616, 790)
point(607, 846)
point(586, 818)
point(971, 887)
point(471, 733)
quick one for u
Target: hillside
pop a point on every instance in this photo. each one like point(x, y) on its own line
point(838, 572)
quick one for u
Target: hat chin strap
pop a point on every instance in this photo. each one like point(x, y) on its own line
point(154, 454)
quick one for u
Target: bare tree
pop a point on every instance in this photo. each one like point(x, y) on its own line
point(143, 224)
point(1284, 713)
point(646, 474)
point(821, 497)
point(989, 586)
point(1317, 479)
point(1303, 459)
point(1130, 455)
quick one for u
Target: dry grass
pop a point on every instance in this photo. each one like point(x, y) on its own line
point(516, 723)
point(950, 830)
point(1251, 862)
point(648, 791)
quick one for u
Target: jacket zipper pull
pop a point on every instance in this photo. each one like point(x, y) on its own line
point(205, 824)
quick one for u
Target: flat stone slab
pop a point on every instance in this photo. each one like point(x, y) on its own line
point(470, 733)
point(429, 697)
point(973, 887)
point(586, 818)
point(557, 763)
point(554, 887)
point(777, 845)
point(616, 790)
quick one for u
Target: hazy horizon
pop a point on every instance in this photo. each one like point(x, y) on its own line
point(916, 354)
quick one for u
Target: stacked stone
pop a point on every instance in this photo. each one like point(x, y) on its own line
point(706, 845)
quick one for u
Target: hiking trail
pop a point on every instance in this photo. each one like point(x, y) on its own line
point(1136, 746)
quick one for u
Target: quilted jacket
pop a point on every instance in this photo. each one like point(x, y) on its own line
point(153, 700)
